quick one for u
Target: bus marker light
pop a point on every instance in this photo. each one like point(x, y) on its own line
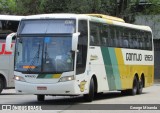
point(29, 67)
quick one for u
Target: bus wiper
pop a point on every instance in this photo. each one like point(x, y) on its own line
point(46, 55)
point(35, 58)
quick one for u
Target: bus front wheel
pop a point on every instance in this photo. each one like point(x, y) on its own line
point(40, 97)
point(1, 84)
point(90, 96)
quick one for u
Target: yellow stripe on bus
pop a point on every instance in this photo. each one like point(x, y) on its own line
point(56, 75)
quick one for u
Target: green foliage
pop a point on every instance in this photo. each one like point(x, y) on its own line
point(120, 8)
point(153, 8)
point(7, 6)
point(28, 7)
point(54, 6)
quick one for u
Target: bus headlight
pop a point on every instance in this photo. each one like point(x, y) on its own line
point(19, 78)
point(66, 78)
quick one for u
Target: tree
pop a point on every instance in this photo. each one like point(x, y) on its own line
point(126, 9)
point(152, 7)
point(7, 6)
point(29, 7)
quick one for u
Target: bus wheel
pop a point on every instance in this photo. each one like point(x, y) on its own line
point(40, 97)
point(134, 89)
point(140, 87)
point(124, 92)
point(1, 84)
point(89, 97)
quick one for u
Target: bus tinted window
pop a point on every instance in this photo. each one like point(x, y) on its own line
point(105, 35)
point(120, 37)
point(47, 26)
point(148, 41)
point(94, 34)
point(82, 46)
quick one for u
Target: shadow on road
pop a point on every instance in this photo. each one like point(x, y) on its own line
point(67, 100)
point(9, 94)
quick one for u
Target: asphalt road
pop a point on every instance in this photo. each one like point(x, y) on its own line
point(65, 104)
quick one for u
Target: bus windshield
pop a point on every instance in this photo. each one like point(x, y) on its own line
point(47, 54)
point(44, 46)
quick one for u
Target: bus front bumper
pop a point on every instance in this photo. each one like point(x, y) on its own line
point(59, 88)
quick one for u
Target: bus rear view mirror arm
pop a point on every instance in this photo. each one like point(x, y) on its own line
point(9, 42)
point(75, 41)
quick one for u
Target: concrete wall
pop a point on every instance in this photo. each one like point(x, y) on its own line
point(150, 20)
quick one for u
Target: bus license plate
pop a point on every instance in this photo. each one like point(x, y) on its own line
point(41, 88)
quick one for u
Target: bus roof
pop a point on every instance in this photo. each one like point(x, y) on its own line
point(107, 17)
point(97, 17)
point(48, 16)
point(133, 26)
point(11, 17)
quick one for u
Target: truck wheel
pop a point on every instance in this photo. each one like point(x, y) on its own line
point(90, 96)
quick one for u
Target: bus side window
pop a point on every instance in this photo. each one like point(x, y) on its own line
point(125, 38)
point(119, 36)
point(92, 41)
point(112, 38)
point(104, 35)
point(95, 34)
point(116, 40)
point(148, 41)
point(82, 46)
point(145, 40)
point(134, 38)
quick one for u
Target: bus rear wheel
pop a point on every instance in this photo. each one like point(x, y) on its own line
point(140, 87)
point(1, 84)
point(40, 97)
point(134, 89)
point(90, 96)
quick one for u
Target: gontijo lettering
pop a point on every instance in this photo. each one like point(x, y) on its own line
point(133, 57)
point(138, 57)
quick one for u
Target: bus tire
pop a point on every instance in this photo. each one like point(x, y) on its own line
point(140, 87)
point(40, 97)
point(90, 96)
point(1, 84)
point(124, 92)
point(134, 89)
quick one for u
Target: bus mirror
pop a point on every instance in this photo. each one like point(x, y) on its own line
point(75, 41)
point(9, 42)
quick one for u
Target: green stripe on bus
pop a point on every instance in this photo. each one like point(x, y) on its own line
point(41, 75)
point(44, 76)
point(108, 68)
point(53, 76)
point(111, 67)
point(115, 68)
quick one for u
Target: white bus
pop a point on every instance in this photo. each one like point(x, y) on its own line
point(8, 24)
point(75, 54)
